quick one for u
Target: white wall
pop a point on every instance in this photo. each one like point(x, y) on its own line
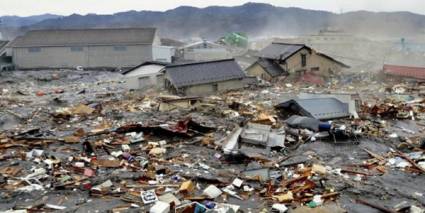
point(151, 71)
point(163, 53)
point(91, 56)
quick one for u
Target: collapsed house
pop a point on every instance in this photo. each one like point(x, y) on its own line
point(169, 102)
point(87, 48)
point(396, 72)
point(203, 78)
point(145, 75)
point(306, 64)
point(318, 108)
point(353, 100)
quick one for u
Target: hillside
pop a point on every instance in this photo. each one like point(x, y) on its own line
point(257, 20)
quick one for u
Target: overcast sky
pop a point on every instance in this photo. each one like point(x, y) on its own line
point(66, 7)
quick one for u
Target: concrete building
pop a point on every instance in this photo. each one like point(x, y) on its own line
point(203, 51)
point(203, 78)
point(89, 48)
point(145, 75)
point(298, 60)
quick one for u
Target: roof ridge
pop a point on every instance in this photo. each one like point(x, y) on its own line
point(416, 67)
point(93, 29)
point(284, 43)
point(200, 62)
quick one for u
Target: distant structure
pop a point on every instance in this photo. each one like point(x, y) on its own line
point(235, 39)
point(298, 60)
point(203, 51)
point(88, 48)
point(397, 72)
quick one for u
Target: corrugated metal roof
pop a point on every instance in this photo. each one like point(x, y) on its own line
point(204, 72)
point(3, 45)
point(405, 71)
point(281, 50)
point(319, 108)
point(79, 37)
point(270, 67)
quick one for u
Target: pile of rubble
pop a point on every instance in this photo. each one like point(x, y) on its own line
point(96, 147)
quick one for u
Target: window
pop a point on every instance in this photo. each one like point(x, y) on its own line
point(76, 49)
point(34, 49)
point(303, 60)
point(315, 69)
point(215, 87)
point(120, 48)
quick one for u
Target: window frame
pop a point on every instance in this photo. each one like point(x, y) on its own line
point(34, 49)
point(120, 48)
point(303, 60)
point(76, 49)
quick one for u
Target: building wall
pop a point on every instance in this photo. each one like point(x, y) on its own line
point(293, 63)
point(134, 82)
point(210, 88)
point(325, 66)
point(163, 53)
point(152, 71)
point(257, 70)
point(206, 54)
point(88, 57)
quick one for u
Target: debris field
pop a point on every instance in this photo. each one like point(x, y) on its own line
point(78, 141)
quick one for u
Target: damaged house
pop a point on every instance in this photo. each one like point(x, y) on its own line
point(318, 108)
point(299, 60)
point(145, 75)
point(203, 78)
point(88, 48)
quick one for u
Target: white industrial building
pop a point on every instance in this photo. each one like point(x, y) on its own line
point(88, 48)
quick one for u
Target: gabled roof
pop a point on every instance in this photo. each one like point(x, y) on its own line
point(203, 42)
point(80, 37)
point(405, 71)
point(171, 42)
point(272, 68)
point(144, 64)
point(319, 108)
point(281, 50)
point(332, 59)
point(204, 72)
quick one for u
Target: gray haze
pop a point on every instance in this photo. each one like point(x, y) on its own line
point(67, 7)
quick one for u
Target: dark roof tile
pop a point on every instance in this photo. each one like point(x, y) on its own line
point(204, 72)
point(272, 68)
point(281, 50)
